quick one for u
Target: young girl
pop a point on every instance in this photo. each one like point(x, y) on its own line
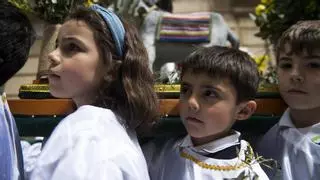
point(101, 64)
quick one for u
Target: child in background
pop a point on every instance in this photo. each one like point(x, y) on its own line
point(218, 87)
point(295, 140)
point(16, 39)
point(101, 64)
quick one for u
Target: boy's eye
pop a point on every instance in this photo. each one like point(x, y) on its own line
point(210, 93)
point(184, 89)
point(313, 65)
point(285, 65)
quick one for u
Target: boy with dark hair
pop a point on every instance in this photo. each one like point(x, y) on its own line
point(295, 139)
point(16, 38)
point(218, 87)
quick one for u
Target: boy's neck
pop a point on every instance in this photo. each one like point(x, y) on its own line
point(305, 118)
point(208, 139)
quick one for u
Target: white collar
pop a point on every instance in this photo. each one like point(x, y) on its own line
point(213, 146)
point(286, 121)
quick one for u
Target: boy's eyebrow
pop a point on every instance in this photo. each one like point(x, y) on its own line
point(312, 56)
point(206, 86)
point(285, 58)
point(185, 84)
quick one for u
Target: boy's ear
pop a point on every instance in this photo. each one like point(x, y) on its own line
point(245, 110)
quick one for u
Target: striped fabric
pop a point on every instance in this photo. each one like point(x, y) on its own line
point(193, 28)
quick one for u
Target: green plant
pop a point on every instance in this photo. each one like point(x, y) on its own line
point(269, 80)
point(274, 16)
point(52, 11)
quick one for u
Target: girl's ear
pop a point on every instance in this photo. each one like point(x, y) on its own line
point(245, 110)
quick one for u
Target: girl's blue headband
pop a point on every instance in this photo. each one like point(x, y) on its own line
point(115, 25)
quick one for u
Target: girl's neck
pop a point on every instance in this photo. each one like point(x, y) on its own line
point(305, 118)
point(84, 100)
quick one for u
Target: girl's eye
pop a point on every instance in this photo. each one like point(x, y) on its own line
point(72, 47)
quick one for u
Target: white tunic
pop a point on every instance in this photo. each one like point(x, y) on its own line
point(91, 144)
point(180, 160)
point(296, 149)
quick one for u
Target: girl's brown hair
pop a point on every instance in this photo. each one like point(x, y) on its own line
point(127, 85)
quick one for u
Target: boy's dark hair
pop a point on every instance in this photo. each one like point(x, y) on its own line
point(223, 62)
point(302, 36)
point(16, 39)
point(127, 85)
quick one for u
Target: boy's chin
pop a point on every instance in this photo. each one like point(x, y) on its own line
point(302, 103)
point(303, 106)
point(195, 133)
point(203, 135)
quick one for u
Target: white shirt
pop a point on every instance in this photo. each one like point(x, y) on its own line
point(296, 149)
point(180, 160)
point(91, 144)
point(213, 146)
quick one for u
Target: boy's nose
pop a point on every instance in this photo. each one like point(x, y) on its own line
point(193, 104)
point(296, 76)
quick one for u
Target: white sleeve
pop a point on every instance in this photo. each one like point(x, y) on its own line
point(30, 155)
point(86, 160)
point(156, 152)
point(148, 150)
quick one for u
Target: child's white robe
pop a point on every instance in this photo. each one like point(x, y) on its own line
point(91, 143)
point(296, 149)
point(180, 160)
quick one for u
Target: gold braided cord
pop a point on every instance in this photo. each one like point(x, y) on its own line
point(249, 157)
point(210, 166)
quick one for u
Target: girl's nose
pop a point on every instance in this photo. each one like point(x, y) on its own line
point(53, 58)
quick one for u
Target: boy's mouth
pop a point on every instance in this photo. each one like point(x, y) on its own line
point(296, 91)
point(194, 120)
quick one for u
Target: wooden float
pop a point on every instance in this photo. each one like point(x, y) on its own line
point(38, 117)
point(269, 103)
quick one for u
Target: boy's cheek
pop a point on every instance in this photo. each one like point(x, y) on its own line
point(283, 81)
point(183, 109)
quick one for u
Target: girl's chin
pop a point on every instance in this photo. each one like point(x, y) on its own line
point(53, 78)
point(58, 94)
